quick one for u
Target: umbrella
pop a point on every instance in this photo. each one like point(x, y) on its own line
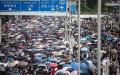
point(52, 65)
point(59, 72)
point(11, 65)
point(1, 54)
point(74, 65)
point(74, 73)
point(84, 49)
point(65, 68)
point(67, 65)
point(14, 73)
point(40, 46)
point(89, 43)
point(21, 46)
point(38, 54)
point(53, 60)
point(84, 68)
point(4, 64)
point(15, 62)
point(62, 46)
point(39, 59)
point(10, 54)
point(11, 35)
point(67, 73)
point(83, 39)
point(57, 53)
point(47, 63)
point(23, 63)
point(40, 65)
point(49, 41)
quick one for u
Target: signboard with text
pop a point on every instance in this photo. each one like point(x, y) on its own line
point(32, 5)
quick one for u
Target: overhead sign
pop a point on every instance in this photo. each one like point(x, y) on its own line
point(8, 5)
point(73, 7)
point(32, 5)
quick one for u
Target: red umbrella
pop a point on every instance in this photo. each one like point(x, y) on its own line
point(21, 46)
point(52, 65)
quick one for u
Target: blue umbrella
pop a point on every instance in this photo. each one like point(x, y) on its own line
point(84, 49)
point(67, 65)
point(39, 59)
point(84, 68)
point(14, 73)
point(34, 49)
point(83, 39)
point(74, 65)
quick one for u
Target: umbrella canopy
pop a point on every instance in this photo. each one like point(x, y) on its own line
point(23, 63)
point(74, 65)
point(62, 46)
point(74, 73)
point(1, 54)
point(47, 63)
point(52, 65)
point(11, 65)
point(59, 72)
point(2, 68)
point(14, 73)
point(57, 53)
point(38, 54)
point(84, 68)
point(65, 68)
point(41, 65)
point(84, 49)
point(15, 62)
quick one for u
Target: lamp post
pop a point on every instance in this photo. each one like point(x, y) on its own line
point(79, 27)
point(69, 34)
point(99, 37)
point(0, 31)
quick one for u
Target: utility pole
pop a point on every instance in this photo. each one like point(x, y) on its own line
point(79, 27)
point(0, 30)
point(69, 34)
point(99, 37)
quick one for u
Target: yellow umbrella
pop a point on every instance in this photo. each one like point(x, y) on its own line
point(76, 34)
point(77, 45)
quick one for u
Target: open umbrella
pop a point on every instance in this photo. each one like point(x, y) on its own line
point(53, 60)
point(38, 54)
point(84, 49)
point(84, 68)
point(74, 73)
point(52, 65)
point(22, 63)
point(11, 65)
point(65, 68)
point(41, 65)
point(74, 65)
point(59, 72)
point(2, 68)
point(1, 54)
point(47, 63)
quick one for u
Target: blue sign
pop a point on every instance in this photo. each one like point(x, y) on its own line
point(73, 8)
point(7, 5)
point(32, 5)
point(53, 5)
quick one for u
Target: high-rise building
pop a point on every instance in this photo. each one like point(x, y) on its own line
point(112, 5)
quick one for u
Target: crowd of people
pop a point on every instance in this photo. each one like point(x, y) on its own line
point(38, 46)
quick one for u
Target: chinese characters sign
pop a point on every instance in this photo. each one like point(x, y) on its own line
point(32, 5)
